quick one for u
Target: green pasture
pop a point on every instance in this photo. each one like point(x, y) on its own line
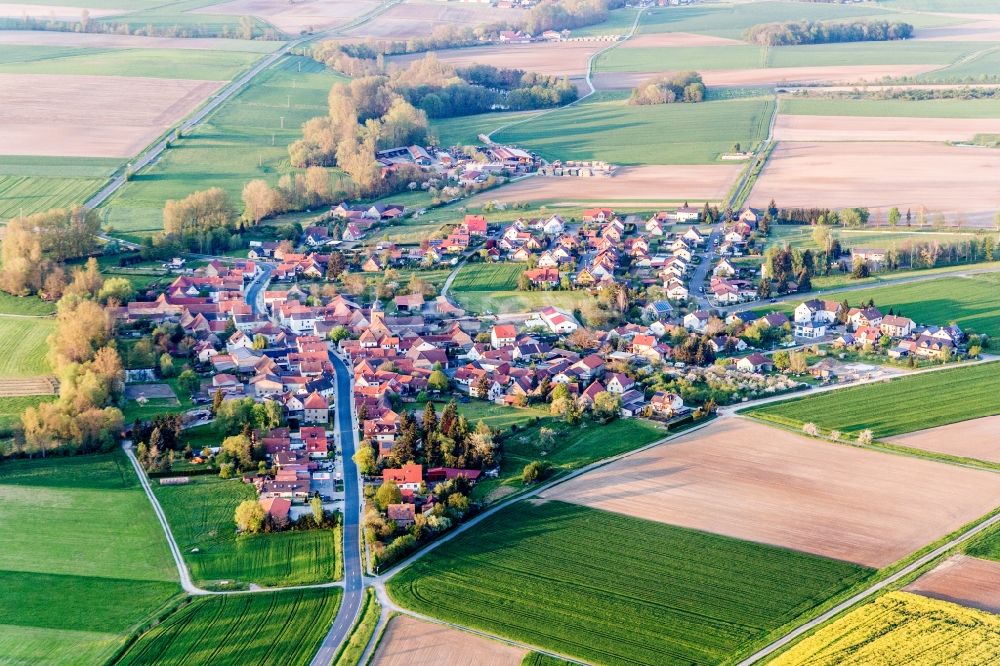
point(201, 517)
point(77, 533)
point(279, 627)
point(698, 58)
point(485, 277)
point(24, 346)
point(25, 305)
point(899, 52)
point(891, 108)
point(35, 184)
point(504, 302)
point(605, 127)
point(232, 147)
point(985, 65)
point(608, 588)
point(465, 130)
point(800, 236)
point(898, 406)
point(497, 417)
point(619, 22)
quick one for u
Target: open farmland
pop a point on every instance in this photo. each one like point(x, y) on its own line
point(233, 146)
point(697, 58)
point(614, 589)
point(771, 76)
point(605, 127)
point(201, 516)
point(54, 115)
point(884, 174)
point(34, 184)
point(902, 628)
point(44, 11)
point(293, 18)
point(95, 40)
point(914, 401)
point(504, 302)
point(268, 628)
point(976, 438)
point(59, 571)
point(962, 580)
point(487, 277)
point(854, 128)
point(550, 58)
point(23, 346)
point(419, 18)
point(408, 641)
point(890, 108)
point(749, 481)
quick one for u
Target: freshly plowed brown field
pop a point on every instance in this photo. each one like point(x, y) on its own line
point(749, 481)
point(968, 581)
point(949, 179)
point(91, 116)
point(411, 642)
point(977, 438)
point(636, 185)
point(861, 128)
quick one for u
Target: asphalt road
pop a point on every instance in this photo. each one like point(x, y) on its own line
point(350, 606)
point(699, 279)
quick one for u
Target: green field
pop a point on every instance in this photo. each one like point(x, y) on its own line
point(895, 108)
point(971, 302)
point(34, 184)
point(800, 236)
point(207, 65)
point(895, 407)
point(983, 67)
point(23, 346)
point(201, 516)
point(605, 127)
point(77, 533)
point(27, 305)
point(697, 58)
point(232, 147)
point(494, 415)
point(465, 130)
point(502, 302)
point(279, 627)
point(870, 53)
point(612, 589)
point(488, 277)
point(11, 409)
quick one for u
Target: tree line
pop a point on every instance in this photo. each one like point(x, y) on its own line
point(245, 27)
point(35, 247)
point(681, 87)
point(791, 33)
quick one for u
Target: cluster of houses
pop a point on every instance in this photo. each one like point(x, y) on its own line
point(415, 484)
point(457, 165)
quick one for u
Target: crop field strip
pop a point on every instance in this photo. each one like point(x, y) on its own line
point(891, 108)
point(613, 589)
point(901, 628)
point(24, 346)
point(59, 571)
point(910, 403)
point(488, 277)
point(267, 628)
point(201, 516)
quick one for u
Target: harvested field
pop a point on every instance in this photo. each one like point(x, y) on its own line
point(749, 481)
point(52, 12)
point(901, 628)
point(978, 438)
point(882, 175)
point(967, 581)
point(12, 388)
point(95, 40)
point(78, 116)
point(830, 74)
point(418, 19)
point(408, 641)
point(854, 128)
point(638, 186)
point(677, 40)
point(294, 17)
point(553, 59)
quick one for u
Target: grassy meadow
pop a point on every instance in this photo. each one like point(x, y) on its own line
point(901, 628)
point(201, 517)
point(77, 532)
point(902, 52)
point(502, 302)
point(232, 147)
point(697, 58)
point(500, 276)
point(34, 184)
point(605, 127)
point(898, 406)
point(278, 627)
point(608, 588)
point(890, 108)
point(24, 346)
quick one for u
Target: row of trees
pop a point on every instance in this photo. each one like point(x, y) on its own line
point(681, 87)
point(792, 33)
point(34, 247)
point(244, 28)
point(316, 187)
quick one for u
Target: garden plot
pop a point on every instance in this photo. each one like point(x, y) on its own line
point(97, 116)
point(636, 186)
point(952, 180)
point(967, 581)
point(749, 481)
point(854, 128)
point(411, 642)
point(978, 438)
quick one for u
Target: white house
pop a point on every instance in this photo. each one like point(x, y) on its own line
point(554, 226)
point(724, 269)
point(693, 236)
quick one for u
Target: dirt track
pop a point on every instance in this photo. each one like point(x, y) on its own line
point(91, 116)
point(977, 438)
point(749, 481)
point(411, 642)
point(637, 185)
point(859, 128)
point(954, 180)
point(963, 580)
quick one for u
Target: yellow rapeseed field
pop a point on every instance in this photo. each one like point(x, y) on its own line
point(902, 628)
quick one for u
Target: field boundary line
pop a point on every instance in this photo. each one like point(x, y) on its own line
point(873, 589)
point(587, 79)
